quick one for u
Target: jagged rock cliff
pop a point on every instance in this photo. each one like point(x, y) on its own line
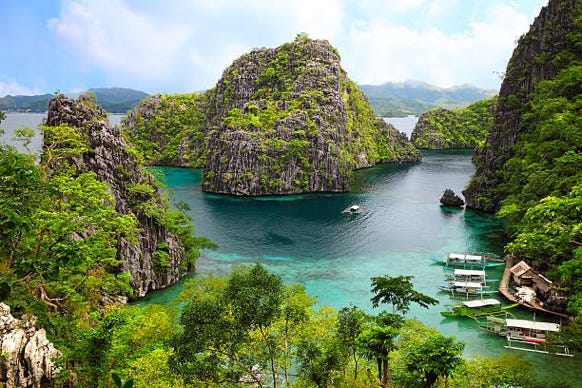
point(551, 44)
point(135, 191)
point(442, 128)
point(288, 120)
point(285, 120)
point(28, 358)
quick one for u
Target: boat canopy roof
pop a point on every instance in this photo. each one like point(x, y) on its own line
point(468, 284)
point(469, 272)
point(532, 325)
point(465, 257)
point(481, 303)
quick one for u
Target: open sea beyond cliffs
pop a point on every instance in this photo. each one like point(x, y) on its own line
point(307, 239)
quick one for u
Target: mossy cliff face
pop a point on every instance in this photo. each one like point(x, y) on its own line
point(552, 44)
point(440, 128)
point(101, 149)
point(286, 121)
point(169, 129)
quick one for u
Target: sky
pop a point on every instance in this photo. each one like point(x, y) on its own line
point(183, 46)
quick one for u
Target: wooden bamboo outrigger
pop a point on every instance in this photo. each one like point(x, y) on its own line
point(531, 334)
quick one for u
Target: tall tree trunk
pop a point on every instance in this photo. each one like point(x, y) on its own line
point(379, 361)
point(355, 367)
point(386, 376)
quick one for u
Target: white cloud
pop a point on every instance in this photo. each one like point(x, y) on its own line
point(15, 89)
point(379, 50)
point(124, 43)
point(185, 45)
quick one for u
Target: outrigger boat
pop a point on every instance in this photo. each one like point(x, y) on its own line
point(354, 209)
point(466, 288)
point(466, 261)
point(469, 275)
point(530, 334)
point(475, 308)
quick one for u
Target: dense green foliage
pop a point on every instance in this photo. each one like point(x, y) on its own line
point(541, 183)
point(59, 259)
point(163, 123)
point(58, 238)
point(534, 184)
point(289, 341)
point(459, 128)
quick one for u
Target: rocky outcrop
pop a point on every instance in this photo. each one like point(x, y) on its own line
point(169, 129)
point(449, 198)
point(540, 55)
point(288, 120)
point(135, 191)
point(462, 128)
point(285, 120)
point(28, 358)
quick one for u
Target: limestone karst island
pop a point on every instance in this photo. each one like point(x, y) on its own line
point(289, 227)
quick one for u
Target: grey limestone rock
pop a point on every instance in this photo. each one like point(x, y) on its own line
point(449, 198)
point(546, 39)
point(28, 358)
point(110, 157)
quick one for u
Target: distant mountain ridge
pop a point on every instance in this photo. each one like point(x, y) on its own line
point(393, 99)
point(113, 100)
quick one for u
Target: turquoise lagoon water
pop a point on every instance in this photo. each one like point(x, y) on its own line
point(307, 239)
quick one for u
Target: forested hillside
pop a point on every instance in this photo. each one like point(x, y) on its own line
point(529, 170)
point(397, 99)
point(113, 100)
point(286, 120)
point(458, 128)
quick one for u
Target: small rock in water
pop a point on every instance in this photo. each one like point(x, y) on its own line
point(449, 198)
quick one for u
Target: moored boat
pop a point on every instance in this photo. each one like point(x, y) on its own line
point(532, 334)
point(354, 209)
point(466, 288)
point(474, 308)
point(466, 261)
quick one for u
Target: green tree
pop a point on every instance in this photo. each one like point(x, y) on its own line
point(21, 191)
point(217, 341)
point(25, 135)
point(351, 323)
point(377, 340)
point(319, 359)
point(296, 315)
point(437, 356)
point(505, 370)
point(256, 297)
point(399, 292)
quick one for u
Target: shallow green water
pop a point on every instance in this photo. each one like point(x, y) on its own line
point(308, 240)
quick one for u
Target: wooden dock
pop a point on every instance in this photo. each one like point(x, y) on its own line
point(508, 294)
point(504, 283)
